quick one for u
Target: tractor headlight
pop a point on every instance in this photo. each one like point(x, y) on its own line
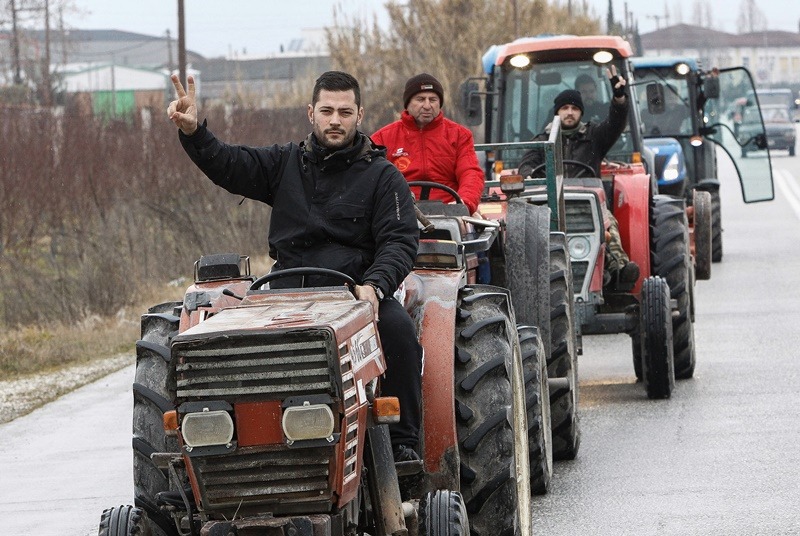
point(579, 247)
point(207, 428)
point(672, 170)
point(309, 421)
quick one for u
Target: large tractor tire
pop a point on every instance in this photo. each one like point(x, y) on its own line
point(124, 521)
point(443, 513)
point(527, 265)
point(658, 372)
point(537, 402)
point(491, 415)
point(151, 399)
point(562, 366)
point(716, 227)
point(703, 233)
point(671, 260)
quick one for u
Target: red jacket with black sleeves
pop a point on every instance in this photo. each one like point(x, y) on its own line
point(442, 151)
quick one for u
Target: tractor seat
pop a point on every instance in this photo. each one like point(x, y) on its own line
point(438, 208)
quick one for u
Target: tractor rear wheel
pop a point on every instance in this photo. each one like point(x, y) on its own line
point(151, 399)
point(563, 363)
point(443, 513)
point(716, 227)
point(527, 266)
point(123, 521)
point(537, 402)
point(491, 415)
point(671, 260)
point(658, 372)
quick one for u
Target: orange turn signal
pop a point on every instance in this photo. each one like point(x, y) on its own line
point(636, 158)
point(171, 421)
point(386, 409)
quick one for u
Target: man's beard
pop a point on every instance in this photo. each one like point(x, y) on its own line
point(345, 140)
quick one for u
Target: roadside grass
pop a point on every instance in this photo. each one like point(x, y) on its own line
point(40, 349)
point(31, 350)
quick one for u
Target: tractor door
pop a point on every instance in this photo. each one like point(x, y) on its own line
point(734, 122)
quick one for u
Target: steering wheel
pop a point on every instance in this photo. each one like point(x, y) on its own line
point(583, 165)
point(303, 271)
point(426, 186)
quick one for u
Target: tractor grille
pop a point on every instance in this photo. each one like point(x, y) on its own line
point(273, 367)
point(580, 218)
point(278, 481)
point(579, 269)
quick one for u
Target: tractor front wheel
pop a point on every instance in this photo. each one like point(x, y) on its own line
point(655, 327)
point(537, 402)
point(123, 521)
point(151, 399)
point(716, 227)
point(443, 513)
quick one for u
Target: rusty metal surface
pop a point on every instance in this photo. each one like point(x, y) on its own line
point(432, 301)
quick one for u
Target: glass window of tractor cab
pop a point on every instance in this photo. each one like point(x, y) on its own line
point(527, 101)
point(676, 119)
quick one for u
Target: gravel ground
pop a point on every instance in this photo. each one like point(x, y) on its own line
point(21, 396)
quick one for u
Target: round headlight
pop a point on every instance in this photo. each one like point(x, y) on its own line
point(520, 61)
point(602, 56)
point(579, 247)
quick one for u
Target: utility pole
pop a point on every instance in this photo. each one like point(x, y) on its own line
point(170, 65)
point(15, 44)
point(47, 94)
point(181, 43)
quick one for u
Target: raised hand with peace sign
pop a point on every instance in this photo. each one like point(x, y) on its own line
point(183, 110)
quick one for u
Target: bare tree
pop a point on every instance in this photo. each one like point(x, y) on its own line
point(701, 13)
point(751, 18)
point(445, 38)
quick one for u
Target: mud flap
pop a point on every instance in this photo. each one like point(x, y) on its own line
point(382, 479)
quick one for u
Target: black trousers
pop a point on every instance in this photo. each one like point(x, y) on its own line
point(403, 370)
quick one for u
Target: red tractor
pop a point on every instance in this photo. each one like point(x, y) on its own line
point(258, 411)
point(658, 312)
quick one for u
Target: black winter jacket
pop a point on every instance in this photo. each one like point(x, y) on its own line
point(589, 144)
point(350, 210)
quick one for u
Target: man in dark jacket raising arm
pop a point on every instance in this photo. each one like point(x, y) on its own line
point(589, 143)
point(336, 203)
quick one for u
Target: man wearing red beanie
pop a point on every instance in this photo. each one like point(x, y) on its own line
point(426, 146)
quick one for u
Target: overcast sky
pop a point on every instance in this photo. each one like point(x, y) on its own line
point(216, 28)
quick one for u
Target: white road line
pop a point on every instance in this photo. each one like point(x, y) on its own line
point(789, 187)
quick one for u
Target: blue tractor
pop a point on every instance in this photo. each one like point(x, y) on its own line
point(687, 105)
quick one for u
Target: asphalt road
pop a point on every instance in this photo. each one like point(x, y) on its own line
point(720, 457)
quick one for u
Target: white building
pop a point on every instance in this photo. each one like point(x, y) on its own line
point(772, 57)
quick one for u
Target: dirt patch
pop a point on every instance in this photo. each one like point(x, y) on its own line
point(20, 396)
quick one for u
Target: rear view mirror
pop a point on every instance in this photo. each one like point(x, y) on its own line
point(711, 87)
point(655, 98)
point(471, 103)
point(548, 78)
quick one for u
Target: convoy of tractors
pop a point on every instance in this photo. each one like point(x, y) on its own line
point(259, 411)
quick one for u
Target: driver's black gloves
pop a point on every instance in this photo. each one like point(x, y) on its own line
point(619, 92)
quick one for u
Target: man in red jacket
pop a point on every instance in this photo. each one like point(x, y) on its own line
point(426, 146)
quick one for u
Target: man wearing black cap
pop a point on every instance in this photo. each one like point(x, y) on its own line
point(426, 146)
point(589, 143)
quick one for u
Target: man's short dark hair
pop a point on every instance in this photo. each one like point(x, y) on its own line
point(336, 81)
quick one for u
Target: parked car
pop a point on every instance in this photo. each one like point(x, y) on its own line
point(778, 126)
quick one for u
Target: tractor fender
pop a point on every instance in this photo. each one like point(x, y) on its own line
point(432, 300)
point(708, 185)
point(631, 207)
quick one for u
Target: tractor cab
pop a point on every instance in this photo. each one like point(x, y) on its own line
point(702, 110)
